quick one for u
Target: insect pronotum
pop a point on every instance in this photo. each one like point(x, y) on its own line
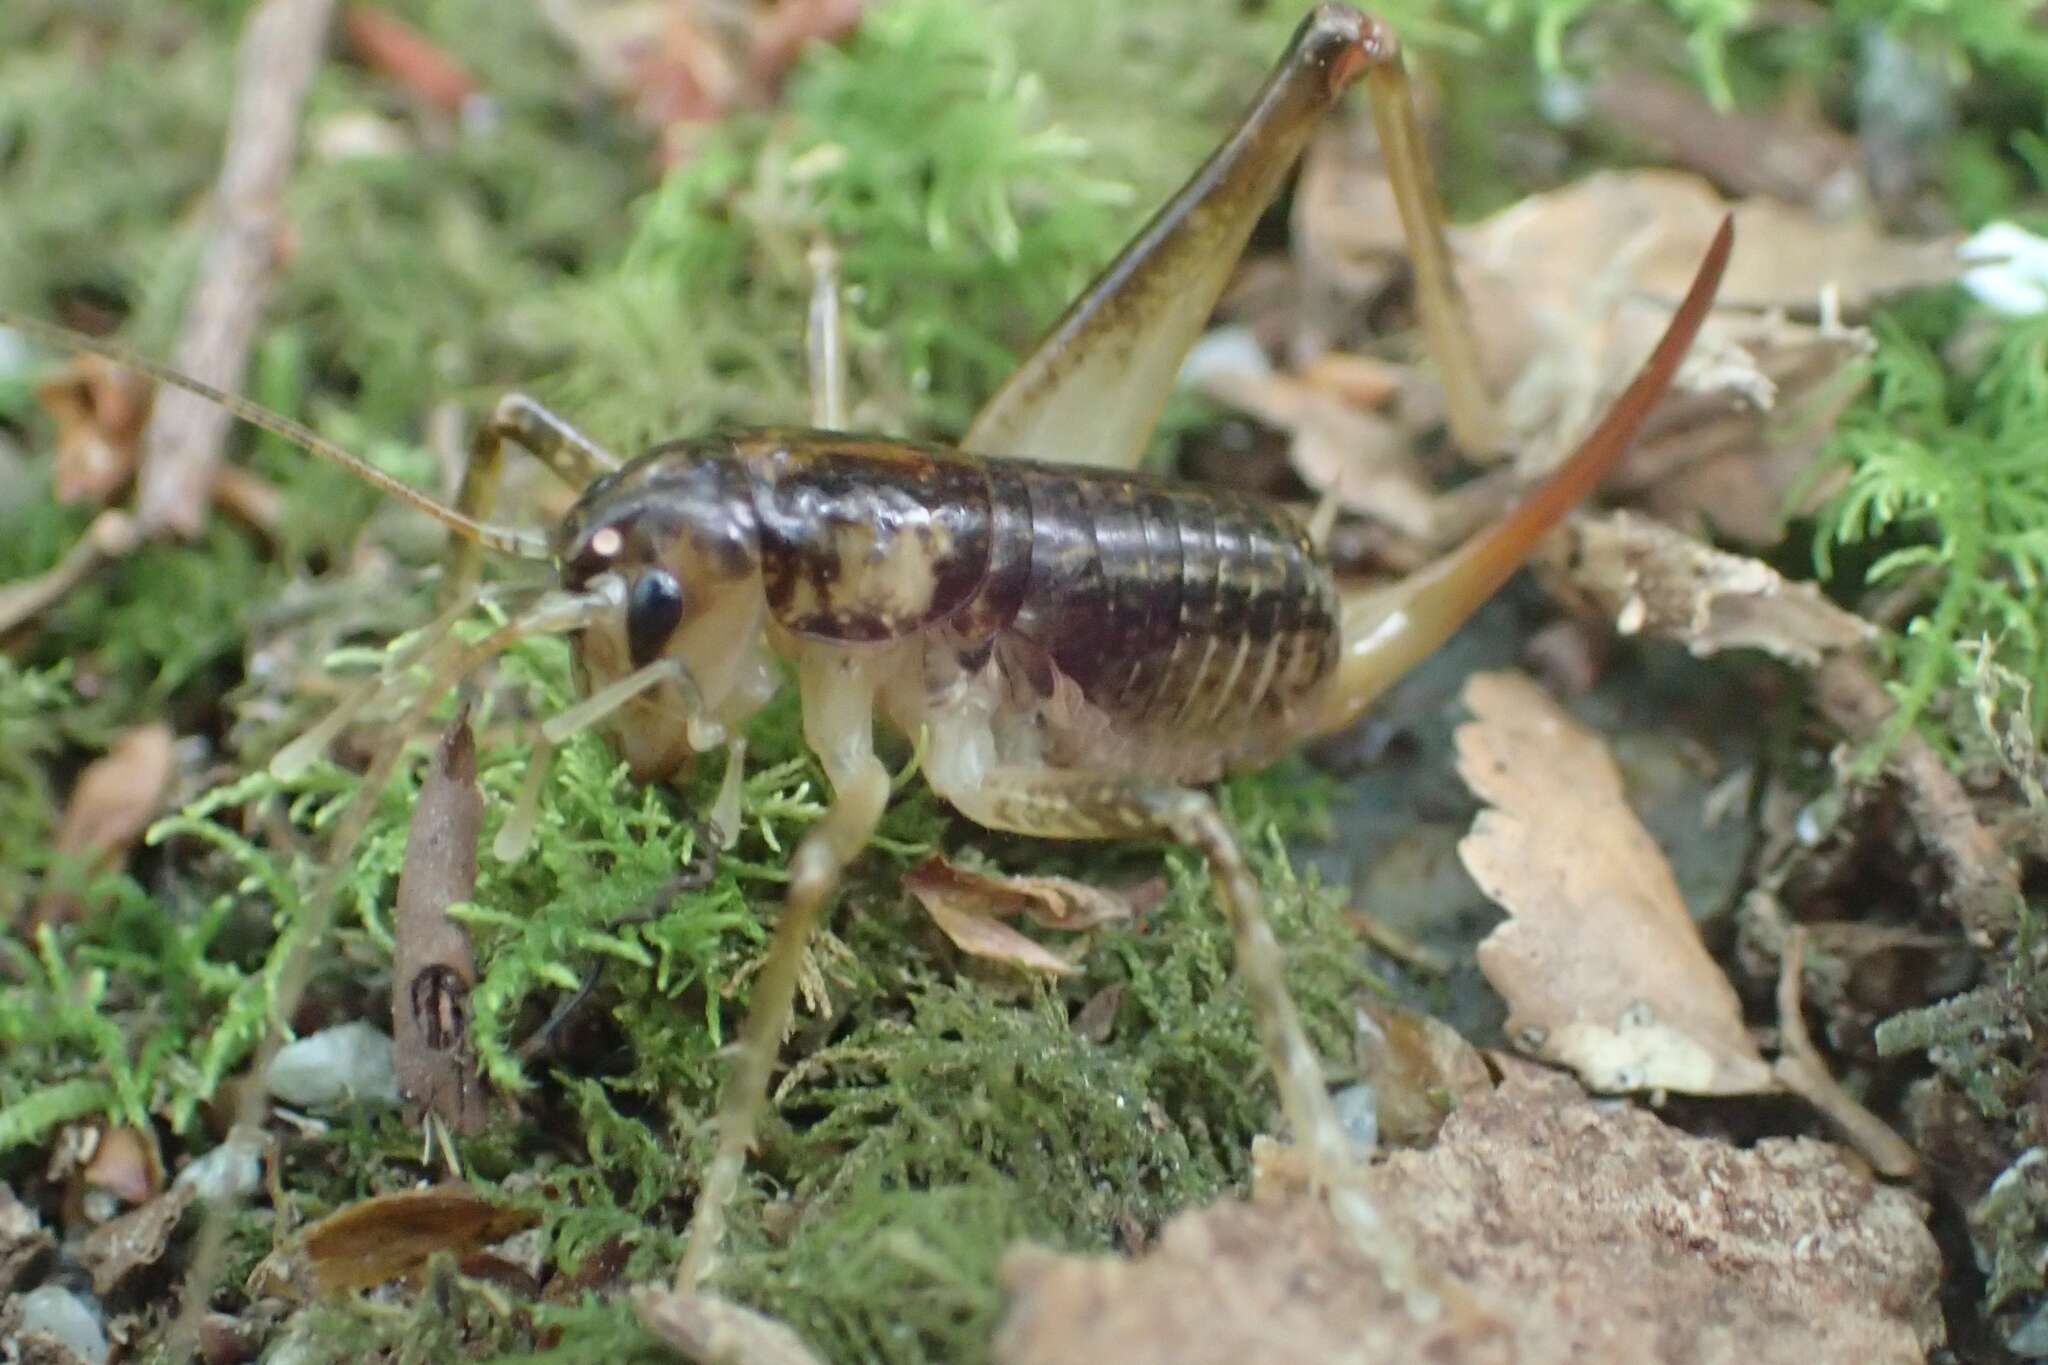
point(1083, 647)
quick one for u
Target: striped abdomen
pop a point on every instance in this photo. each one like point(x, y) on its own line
point(1170, 605)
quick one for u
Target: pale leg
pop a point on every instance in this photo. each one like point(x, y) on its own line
point(838, 700)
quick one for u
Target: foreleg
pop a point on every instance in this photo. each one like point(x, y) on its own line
point(838, 692)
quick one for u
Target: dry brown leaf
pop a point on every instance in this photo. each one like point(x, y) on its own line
point(24, 1241)
point(1584, 1234)
point(1345, 451)
point(126, 1164)
point(113, 803)
point(1654, 225)
point(965, 904)
point(384, 1237)
point(433, 969)
point(136, 1240)
point(965, 915)
point(100, 409)
point(1657, 581)
point(1420, 1069)
point(1600, 964)
point(1793, 154)
point(409, 57)
point(1569, 290)
point(683, 66)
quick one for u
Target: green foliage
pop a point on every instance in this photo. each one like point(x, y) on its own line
point(1946, 486)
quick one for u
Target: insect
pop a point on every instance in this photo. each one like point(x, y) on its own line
point(1082, 647)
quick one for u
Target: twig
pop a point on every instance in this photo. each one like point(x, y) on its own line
point(433, 969)
point(281, 49)
point(111, 535)
point(1984, 881)
point(1800, 1070)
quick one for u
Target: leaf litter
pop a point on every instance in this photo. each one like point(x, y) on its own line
point(1576, 1232)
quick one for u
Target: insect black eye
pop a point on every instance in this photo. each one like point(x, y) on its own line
point(653, 607)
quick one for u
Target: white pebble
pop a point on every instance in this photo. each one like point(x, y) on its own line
point(229, 1171)
point(66, 1319)
point(347, 1065)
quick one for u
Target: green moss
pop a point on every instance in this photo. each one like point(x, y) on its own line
point(1946, 488)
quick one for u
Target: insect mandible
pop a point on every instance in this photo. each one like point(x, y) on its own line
point(1082, 647)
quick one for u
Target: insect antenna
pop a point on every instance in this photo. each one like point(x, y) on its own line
point(512, 540)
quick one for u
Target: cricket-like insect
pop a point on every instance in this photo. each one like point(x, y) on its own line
point(1080, 646)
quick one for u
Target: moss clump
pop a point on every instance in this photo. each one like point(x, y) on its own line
point(1946, 487)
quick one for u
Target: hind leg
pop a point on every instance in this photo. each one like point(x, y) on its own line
point(1062, 804)
point(1058, 804)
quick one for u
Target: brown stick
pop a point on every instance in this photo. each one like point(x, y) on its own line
point(281, 49)
point(433, 969)
point(1984, 882)
point(1800, 1070)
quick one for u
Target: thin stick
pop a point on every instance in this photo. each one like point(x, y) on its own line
point(1984, 879)
point(1801, 1071)
point(111, 535)
point(181, 449)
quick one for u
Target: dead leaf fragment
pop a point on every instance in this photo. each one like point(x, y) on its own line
point(126, 1164)
point(115, 799)
point(681, 67)
point(965, 904)
point(408, 57)
point(136, 1240)
point(384, 1237)
point(100, 409)
point(433, 967)
point(1658, 581)
point(1600, 964)
point(716, 1331)
point(23, 1239)
point(1574, 286)
point(1792, 154)
point(1589, 1235)
point(1420, 1069)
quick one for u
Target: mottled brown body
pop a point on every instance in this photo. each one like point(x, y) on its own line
point(1128, 614)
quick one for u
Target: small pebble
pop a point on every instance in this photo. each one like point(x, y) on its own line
point(2030, 1338)
point(1358, 1109)
point(349, 1064)
point(67, 1319)
point(230, 1171)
